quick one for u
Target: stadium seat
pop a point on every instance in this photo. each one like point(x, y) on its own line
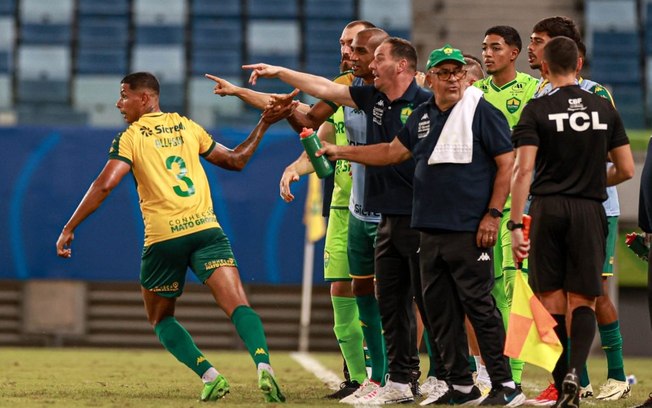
point(266, 9)
point(97, 96)
point(321, 9)
point(173, 97)
point(101, 60)
point(43, 62)
point(216, 34)
point(212, 8)
point(615, 71)
point(323, 35)
point(630, 102)
point(104, 8)
point(263, 37)
point(7, 33)
point(220, 63)
point(49, 114)
point(7, 7)
point(168, 63)
point(46, 11)
point(6, 93)
point(611, 44)
point(610, 14)
point(43, 91)
point(6, 62)
point(102, 31)
point(159, 12)
point(288, 61)
point(387, 14)
point(205, 107)
point(42, 33)
point(323, 64)
point(159, 34)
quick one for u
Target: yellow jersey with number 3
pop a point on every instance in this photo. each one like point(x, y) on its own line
point(163, 151)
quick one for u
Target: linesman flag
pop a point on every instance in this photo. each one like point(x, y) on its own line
point(315, 223)
point(531, 332)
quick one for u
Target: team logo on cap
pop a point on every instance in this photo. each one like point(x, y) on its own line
point(448, 50)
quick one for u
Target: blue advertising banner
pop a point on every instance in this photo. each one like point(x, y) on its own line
point(48, 170)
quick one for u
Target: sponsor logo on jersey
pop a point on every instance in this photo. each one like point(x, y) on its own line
point(423, 128)
point(145, 131)
point(578, 121)
point(575, 104)
point(377, 112)
point(169, 129)
point(219, 263)
point(512, 104)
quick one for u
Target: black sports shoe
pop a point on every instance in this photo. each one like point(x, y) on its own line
point(647, 403)
point(570, 391)
point(460, 398)
point(414, 383)
point(507, 396)
point(346, 388)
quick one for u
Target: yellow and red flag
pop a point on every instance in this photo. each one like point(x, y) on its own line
point(531, 333)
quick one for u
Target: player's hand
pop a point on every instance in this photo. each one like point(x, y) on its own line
point(520, 246)
point(261, 71)
point(329, 150)
point(290, 175)
point(63, 243)
point(271, 115)
point(278, 101)
point(222, 86)
point(487, 232)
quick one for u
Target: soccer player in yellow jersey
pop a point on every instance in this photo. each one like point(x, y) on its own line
point(162, 151)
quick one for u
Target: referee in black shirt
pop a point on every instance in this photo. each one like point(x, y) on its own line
point(565, 137)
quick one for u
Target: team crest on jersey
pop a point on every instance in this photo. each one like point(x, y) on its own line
point(145, 131)
point(575, 104)
point(423, 128)
point(512, 104)
point(405, 113)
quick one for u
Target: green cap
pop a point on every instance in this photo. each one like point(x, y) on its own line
point(445, 53)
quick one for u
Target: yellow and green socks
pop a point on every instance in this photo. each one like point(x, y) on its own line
point(178, 342)
point(349, 336)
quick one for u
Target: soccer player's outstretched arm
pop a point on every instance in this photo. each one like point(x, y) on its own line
point(109, 178)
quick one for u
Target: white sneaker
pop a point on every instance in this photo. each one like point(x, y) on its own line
point(484, 385)
point(435, 389)
point(391, 393)
point(366, 387)
point(613, 390)
point(586, 392)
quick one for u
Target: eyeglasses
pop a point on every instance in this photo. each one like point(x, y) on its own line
point(445, 75)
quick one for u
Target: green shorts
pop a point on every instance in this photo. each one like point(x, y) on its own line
point(164, 264)
point(610, 248)
point(361, 248)
point(336, 260)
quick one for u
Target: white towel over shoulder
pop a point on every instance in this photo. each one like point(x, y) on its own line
point(455, 144)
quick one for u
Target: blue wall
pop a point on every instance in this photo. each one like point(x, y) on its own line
point(46, 172)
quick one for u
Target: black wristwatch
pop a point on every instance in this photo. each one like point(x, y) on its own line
point(494, 212)
point(511, 225)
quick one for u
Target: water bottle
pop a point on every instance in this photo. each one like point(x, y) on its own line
point(636, 242)
point(311, 144)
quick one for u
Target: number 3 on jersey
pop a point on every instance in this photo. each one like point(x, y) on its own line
point(181, 176)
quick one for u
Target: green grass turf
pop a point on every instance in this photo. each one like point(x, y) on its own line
point(639, 138)
point(75, 378)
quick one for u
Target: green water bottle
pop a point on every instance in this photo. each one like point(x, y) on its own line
point(311, 144)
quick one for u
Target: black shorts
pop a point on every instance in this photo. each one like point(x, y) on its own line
point(568, 238)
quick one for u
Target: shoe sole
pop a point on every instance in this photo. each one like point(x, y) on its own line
point(216, 393)
point(569, 391)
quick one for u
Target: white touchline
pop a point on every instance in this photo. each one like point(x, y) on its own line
point(331, 379)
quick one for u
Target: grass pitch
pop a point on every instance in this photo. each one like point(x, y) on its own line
point(75, 378)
